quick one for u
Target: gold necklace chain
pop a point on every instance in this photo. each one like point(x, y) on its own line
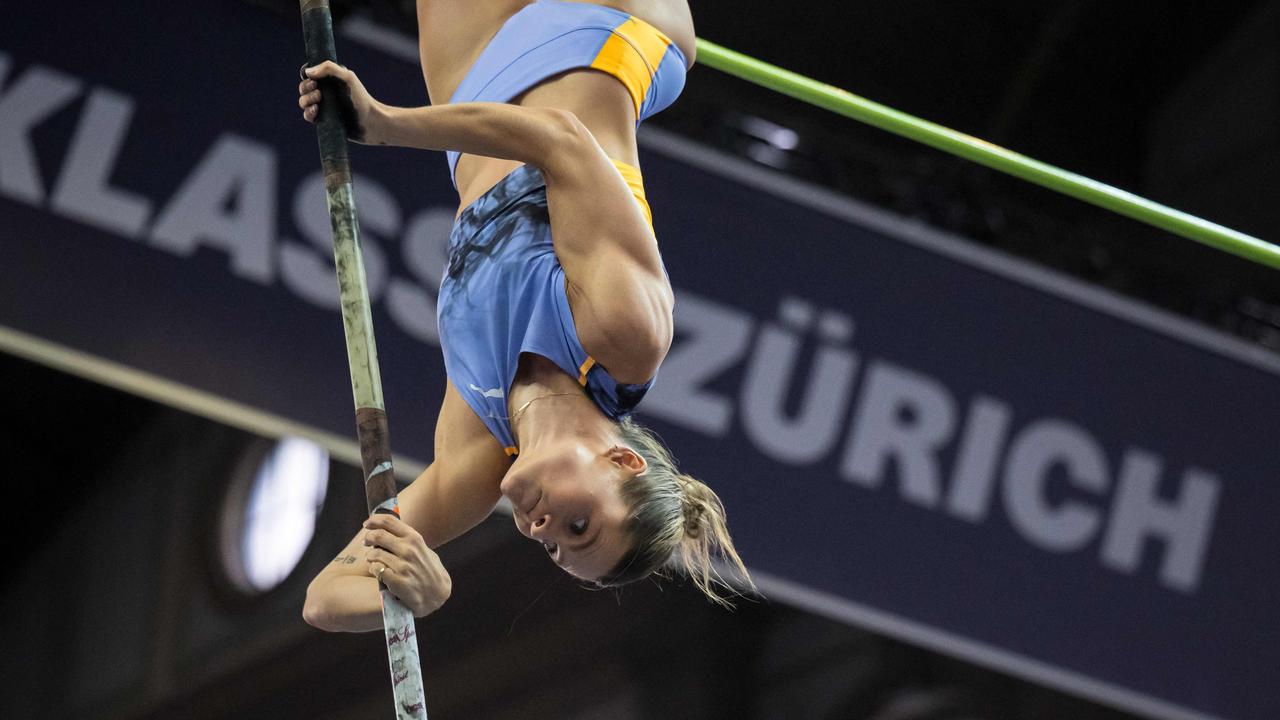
point(523, 407)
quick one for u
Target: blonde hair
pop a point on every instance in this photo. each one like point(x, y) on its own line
point(676, 524)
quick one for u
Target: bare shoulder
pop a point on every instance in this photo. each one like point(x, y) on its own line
point(460, 488)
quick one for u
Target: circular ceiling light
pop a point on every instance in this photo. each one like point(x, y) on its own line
point(271, 510)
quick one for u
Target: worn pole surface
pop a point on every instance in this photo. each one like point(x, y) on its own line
point(966, 146)
point(362, 353)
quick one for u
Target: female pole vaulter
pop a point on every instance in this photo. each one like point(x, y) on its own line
point(555, 310)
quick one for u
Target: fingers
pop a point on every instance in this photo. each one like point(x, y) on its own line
point(328, 68)
point(391, 524)
point(378, 557)
point(394, 535)
point(400, 579)
point(309, 99)
point(397, 546)
point(309, 90)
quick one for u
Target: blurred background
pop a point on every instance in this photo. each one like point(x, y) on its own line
point(991, 452)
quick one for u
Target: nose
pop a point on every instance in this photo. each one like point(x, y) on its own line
point(540, 527)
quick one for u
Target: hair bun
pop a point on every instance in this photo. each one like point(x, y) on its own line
point(692, 506)
point(692, 518)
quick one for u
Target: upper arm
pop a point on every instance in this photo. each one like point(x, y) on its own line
point(618, 290)
point(460, 487)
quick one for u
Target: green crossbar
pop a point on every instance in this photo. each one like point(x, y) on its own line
point(966, 146)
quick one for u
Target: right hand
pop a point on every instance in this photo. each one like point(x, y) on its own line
point(414, 573)
point(356, 106)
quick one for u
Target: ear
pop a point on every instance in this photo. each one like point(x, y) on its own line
point(627, 459)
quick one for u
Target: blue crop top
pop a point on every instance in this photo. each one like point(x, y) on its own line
point(547, 38)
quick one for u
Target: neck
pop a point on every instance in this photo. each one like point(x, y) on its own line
point(546, 406)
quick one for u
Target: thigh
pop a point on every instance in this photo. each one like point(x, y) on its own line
point(452, 34)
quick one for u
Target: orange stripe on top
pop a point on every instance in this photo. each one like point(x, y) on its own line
point(636, 182)
point(510, 450)
point(632, 54)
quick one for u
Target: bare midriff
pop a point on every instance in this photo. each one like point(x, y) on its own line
point(602, 104)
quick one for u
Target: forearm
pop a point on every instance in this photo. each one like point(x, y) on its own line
point(344, 597)
point(343, 603)
point(536, 136)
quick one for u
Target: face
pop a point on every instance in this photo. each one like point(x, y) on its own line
point(568, 498)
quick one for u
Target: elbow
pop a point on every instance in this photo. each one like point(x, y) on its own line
point(659, 343)
point(562, 138)
point(446, 591)
point(563, 126)
point(314, 611)
point(661, 331)
point(662, 328)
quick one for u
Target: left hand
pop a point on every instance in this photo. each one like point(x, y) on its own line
point(356, 107)
point(414, 573)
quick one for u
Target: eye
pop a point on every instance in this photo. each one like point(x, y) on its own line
point(579, 527)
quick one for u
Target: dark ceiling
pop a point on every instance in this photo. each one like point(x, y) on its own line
point(1071, 82)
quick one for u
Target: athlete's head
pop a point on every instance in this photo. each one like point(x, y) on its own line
point(674, 524)
point(620, 512)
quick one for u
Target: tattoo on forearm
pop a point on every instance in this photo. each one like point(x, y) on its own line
point(345, 560)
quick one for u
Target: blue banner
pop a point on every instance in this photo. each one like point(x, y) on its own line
point(909, 432)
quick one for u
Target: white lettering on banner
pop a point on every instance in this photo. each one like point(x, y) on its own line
point(1184, 524)
point(974, 476)
point(1034, 452)
point(228, 202)
point(1052, 476)
point(83, 190)
point(906, 417)
point(813, 431)
point(425, 251)
point(27, 101)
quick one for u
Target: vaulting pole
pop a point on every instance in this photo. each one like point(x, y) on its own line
point(362, 354)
